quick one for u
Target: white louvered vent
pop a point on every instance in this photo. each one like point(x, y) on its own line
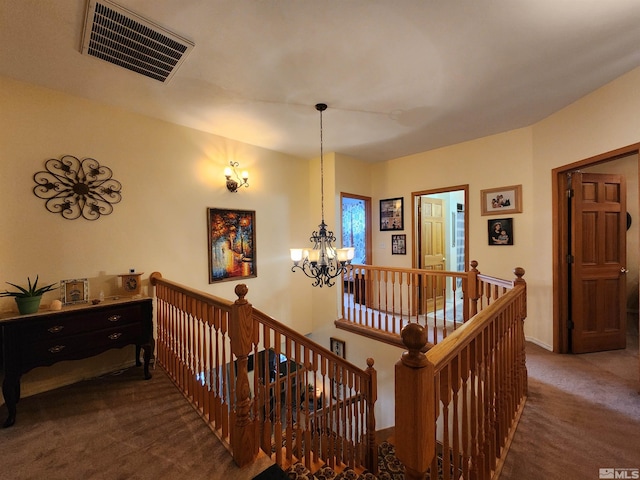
point(119, 36)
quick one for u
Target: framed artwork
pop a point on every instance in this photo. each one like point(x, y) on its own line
point(336, 385)
point(501, 200)
point(398, 244)
point(232, 244)
point(500, 231)
point(392, 214)
point(74, 291)
point(337, 347)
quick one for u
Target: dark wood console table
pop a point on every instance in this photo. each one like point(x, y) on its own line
point(75, 332)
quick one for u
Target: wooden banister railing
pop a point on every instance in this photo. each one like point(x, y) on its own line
point(260, 385)
point(468, 390)
point(379, 302)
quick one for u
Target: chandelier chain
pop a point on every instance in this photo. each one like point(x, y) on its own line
point(321, 168)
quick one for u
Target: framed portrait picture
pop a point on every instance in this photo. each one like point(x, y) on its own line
point(501, 200)
point(392, 214)
point(337, 347)
point(74, 291)
point(500, 231)
point(399, 244)
point(232, 244)
point(336, 385)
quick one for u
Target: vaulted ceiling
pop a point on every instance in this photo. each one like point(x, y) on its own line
point(399, 76)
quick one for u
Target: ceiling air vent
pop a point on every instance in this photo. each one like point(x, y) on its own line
point(121, 37)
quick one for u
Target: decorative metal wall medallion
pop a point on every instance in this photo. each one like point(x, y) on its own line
point(77, 188)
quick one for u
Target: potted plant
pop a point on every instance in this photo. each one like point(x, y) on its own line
point(28, 299)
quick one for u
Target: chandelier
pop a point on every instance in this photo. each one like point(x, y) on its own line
point(323, 262)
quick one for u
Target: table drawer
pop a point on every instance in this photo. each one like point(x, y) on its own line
point(50, 351)
point(56, 327)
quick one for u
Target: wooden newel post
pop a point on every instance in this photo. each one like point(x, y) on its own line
point(415, 405)
point(372, 448)
point(240, 334)
point(473, 288)
point(522, 359)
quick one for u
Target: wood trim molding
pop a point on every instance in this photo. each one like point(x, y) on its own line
point(560, 224)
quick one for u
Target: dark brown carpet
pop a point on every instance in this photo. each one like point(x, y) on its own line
point(582, 414)
point(114, 427)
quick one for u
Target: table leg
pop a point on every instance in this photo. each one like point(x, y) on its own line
point(11, 393)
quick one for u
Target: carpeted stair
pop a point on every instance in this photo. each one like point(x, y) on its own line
point(389, 468)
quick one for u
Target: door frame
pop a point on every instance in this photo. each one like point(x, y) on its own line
point(368, 232)
point(560, 240)
point(414, 225)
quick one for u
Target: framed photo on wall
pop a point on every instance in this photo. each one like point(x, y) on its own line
point(337, 347)
point(392, 214)
point(399, 244)
point(232, 244)
point(74, 291)
point(497, 201)
point(500, 231)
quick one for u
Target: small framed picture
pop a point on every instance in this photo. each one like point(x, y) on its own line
point(337, 347)
point(500, 231)
point(501, 200)
point(392, 214)
point(398, 244)
point(74, 291)
point(336, 384)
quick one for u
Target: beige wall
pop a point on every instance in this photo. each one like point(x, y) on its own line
point(495, 161)
point(603, 121)
point(600, 122)
point(170, 175)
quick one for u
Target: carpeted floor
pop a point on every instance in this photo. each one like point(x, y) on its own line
point(583, 413)
point(115, 427)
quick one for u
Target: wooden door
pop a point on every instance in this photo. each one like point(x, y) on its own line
point(432, 251)
point(597, 274)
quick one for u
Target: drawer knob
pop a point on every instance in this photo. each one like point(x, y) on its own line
point(115, 336)
point(56, 329)
point(57, 349)
point(114, 318)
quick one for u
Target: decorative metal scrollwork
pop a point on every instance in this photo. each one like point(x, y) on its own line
point(77, 188)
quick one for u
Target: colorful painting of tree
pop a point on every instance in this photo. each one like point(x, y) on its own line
point(231, 244)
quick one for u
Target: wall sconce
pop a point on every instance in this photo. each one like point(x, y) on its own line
point(233, 185)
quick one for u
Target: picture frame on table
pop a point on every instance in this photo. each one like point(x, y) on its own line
point(498, 201)
point(74, 291)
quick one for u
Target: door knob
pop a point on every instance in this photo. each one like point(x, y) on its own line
point(623, 270)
